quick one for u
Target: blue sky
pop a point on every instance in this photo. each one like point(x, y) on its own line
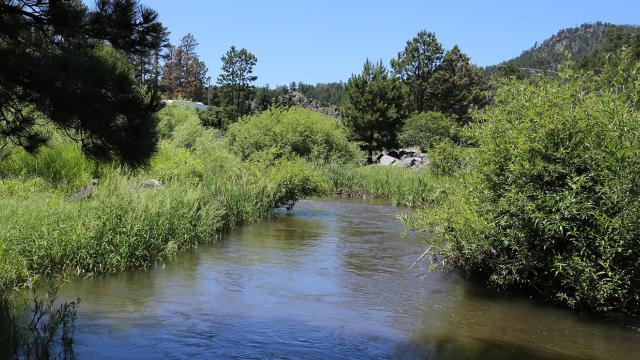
point(328, 40)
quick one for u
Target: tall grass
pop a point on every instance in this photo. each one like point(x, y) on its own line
point(122, 226)
point(406, 187)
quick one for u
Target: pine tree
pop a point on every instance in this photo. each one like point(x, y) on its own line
point(57, 68)
point(236, 82)
point(415, 66)
point(376, 107)
point(457, 86)
point(184, 74)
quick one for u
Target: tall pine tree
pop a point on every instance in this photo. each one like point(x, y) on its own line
point(415, 66)
point(184, 74)
point(375, 108)
point(457, 86)
point(236, 83)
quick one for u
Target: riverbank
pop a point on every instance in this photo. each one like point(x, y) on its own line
point(63, 213)
point(129, 220)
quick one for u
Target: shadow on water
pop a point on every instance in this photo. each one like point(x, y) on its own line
point(329, 281)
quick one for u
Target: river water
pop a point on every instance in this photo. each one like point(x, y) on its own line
point(329, 281)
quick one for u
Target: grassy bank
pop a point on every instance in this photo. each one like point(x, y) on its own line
point(123, 225)
point(403, 187)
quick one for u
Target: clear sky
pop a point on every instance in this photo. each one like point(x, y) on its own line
point(328, 40)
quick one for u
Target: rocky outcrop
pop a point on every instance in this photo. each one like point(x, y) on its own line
point(404, 158)
point(298, 98)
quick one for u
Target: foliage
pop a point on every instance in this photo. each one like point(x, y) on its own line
point(427, 130)
point(376, 107)
point(405, 187)
point(291, 131)
point(416, 64)
point(61, 46)
point(236, 83)
point(172, 116)
point(457, 86)
point(440, 81)
point(551, 202)
point(448, 159)
point(325, 93)
point(205, 190)
point(183, 73)
point(62, 164)
point(213, 117)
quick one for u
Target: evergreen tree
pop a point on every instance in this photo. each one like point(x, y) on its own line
point(457, 86)
point(184, 74)
point(236, 82)
point(66, 65)
point(415, 66)
point(375, 108)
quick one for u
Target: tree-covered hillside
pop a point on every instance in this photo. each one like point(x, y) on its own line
point(586, 44)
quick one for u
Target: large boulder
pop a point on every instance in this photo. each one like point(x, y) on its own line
point(387, 160)
point(406, 162)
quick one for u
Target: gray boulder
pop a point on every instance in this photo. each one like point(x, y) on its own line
point(406, 162)
point(387, 160)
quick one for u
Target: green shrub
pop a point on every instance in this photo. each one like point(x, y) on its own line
point(188, 133)
point(447, 158)
point(298, 131)
point(173, 115)
point(428, 129)
point(552, 203)
point(62, 164)
point(173, 163)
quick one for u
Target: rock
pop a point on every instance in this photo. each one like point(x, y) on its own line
point(298, 98)
point(394, 154)
point(406, 162)
point(387, 160)
point(150, 184)
point(85, 191)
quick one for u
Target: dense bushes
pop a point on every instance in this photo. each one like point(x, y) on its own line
point(552, 201)
point(428, 129)
point(296, 131)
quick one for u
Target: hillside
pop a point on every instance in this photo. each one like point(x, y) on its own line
point(581, 43)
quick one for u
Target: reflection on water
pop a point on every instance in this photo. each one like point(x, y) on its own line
point(329, 281)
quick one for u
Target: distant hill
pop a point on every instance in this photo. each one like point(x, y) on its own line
point(585, 44)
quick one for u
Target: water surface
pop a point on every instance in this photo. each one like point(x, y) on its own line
point(329, 281)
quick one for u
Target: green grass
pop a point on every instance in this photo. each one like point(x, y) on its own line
point(406, 187)
point(206, 190)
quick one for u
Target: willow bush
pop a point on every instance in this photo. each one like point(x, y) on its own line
point(551, 202)
point(297, 131)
